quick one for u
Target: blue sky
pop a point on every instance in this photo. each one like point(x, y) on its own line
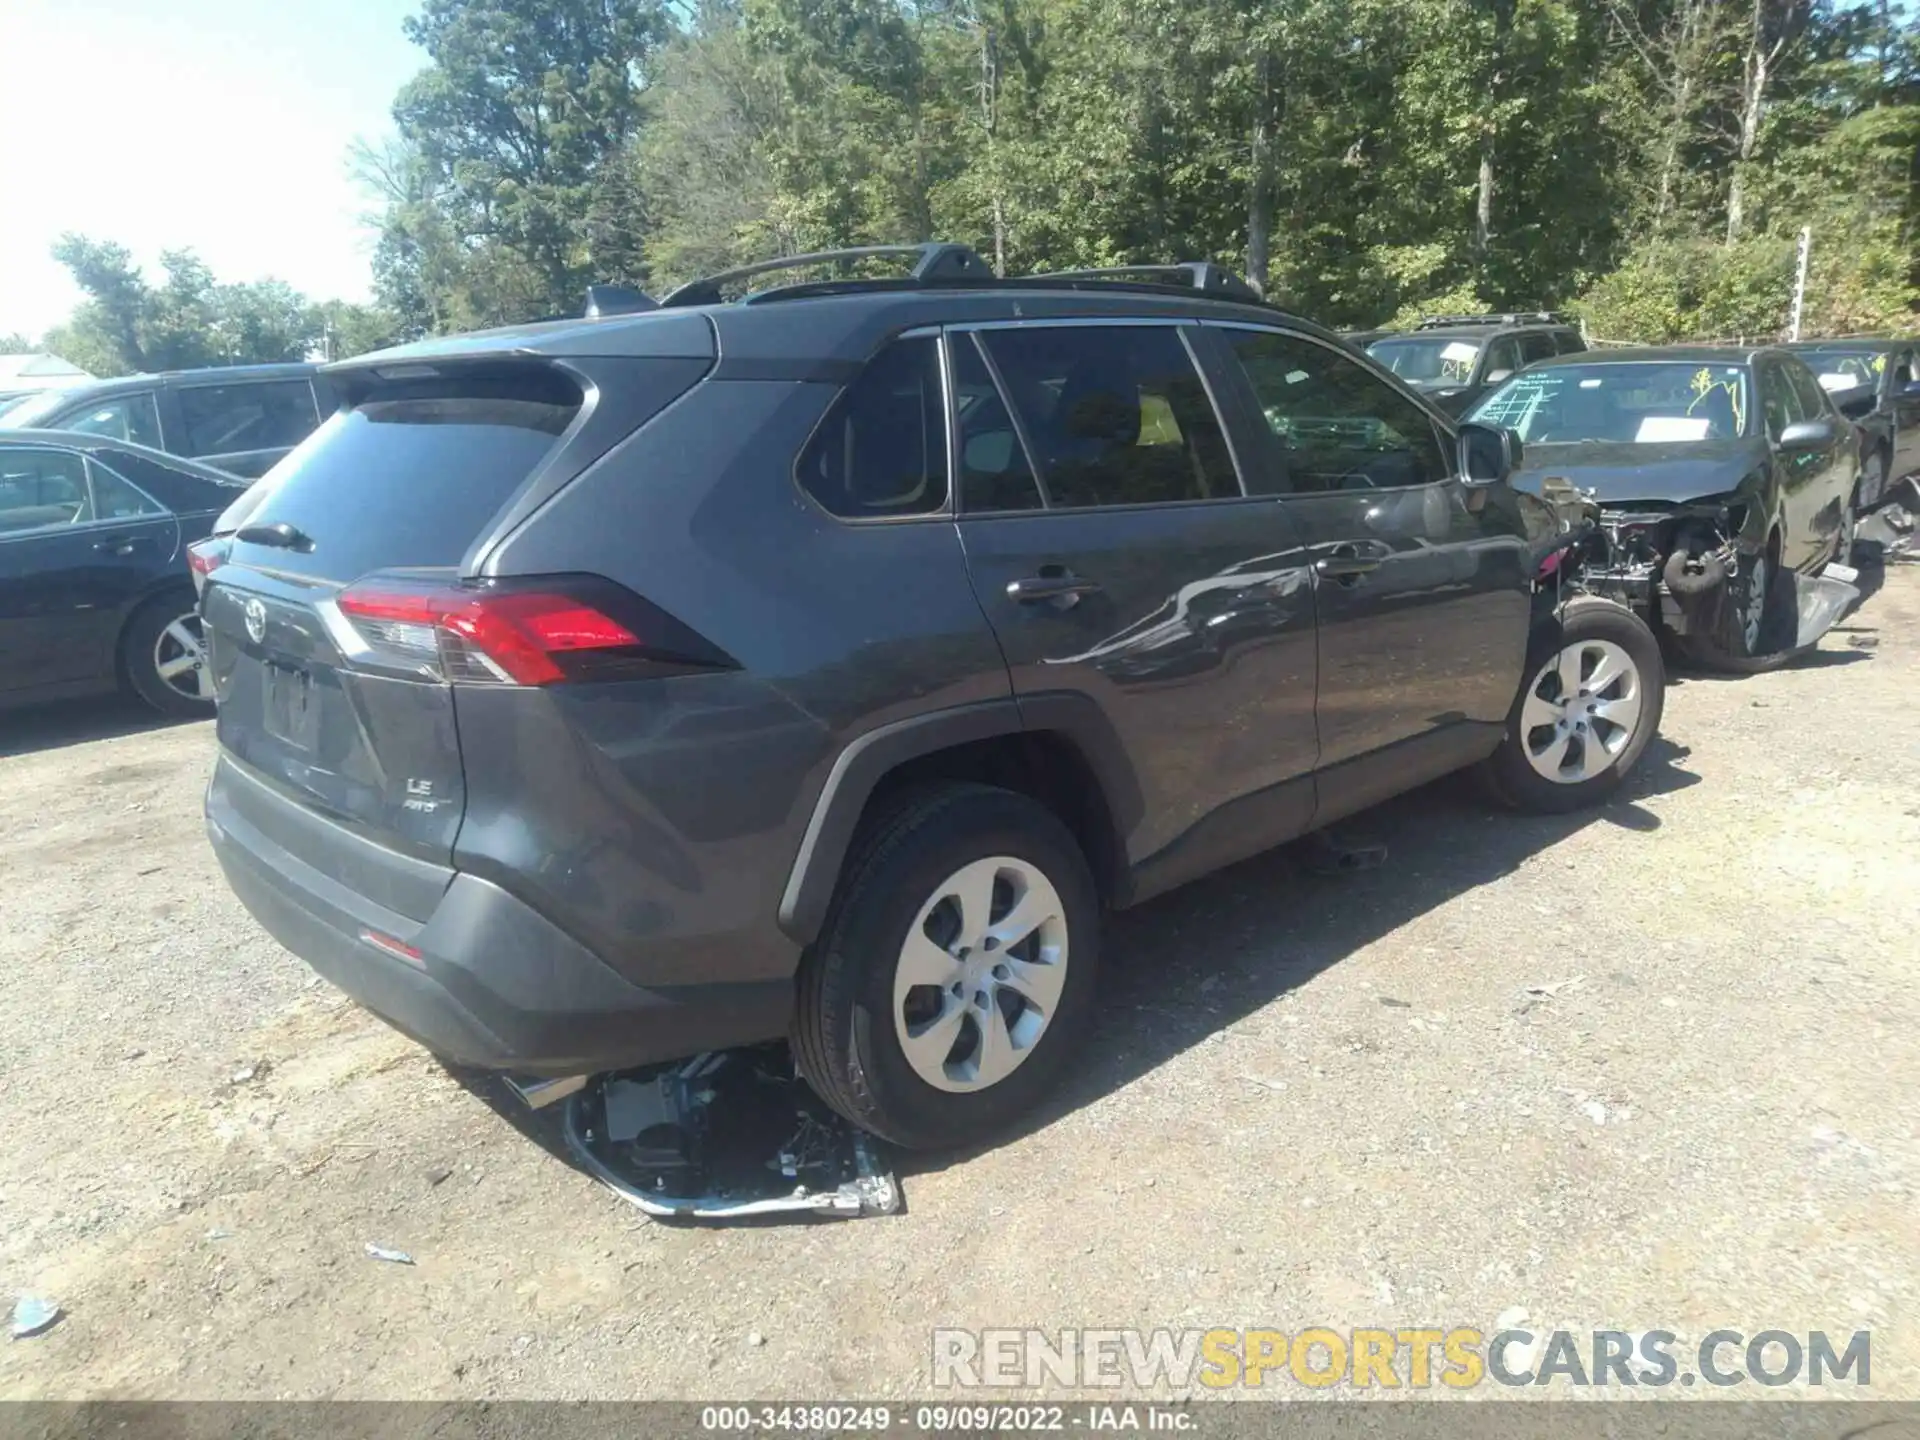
point(220, 126)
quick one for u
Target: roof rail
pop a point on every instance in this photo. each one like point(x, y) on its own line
point(1511, 317)
point(617, 300)
point(1200, 274)
point(932, 263)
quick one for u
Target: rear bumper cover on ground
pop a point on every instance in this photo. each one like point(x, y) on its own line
point(497, 985)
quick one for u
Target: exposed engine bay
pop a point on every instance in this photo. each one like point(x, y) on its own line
point(1669, 564)
point(1677, 567)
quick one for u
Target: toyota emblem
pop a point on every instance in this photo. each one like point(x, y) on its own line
point(256, 615)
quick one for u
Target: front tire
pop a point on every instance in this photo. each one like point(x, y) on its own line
point(955, 977)
point(163, 655)
point(1757, 622)
point(1591, 705)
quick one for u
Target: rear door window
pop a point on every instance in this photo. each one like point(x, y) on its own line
point(995, 470)
point(235, 419)
point(881, 451)
point(412, 474)
point(1116, 414)
point(123, 417)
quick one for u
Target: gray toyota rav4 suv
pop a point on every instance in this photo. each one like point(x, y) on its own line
point(821, 664)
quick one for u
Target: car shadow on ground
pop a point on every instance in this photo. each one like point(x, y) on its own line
point(61, 723)
point(1188, 965)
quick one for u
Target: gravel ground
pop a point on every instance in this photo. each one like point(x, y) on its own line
point(1310, 1101)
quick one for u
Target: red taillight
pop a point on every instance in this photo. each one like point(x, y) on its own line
point(526, 633)
point(206, 556)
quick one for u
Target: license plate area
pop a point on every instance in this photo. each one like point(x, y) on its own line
point(289, 712)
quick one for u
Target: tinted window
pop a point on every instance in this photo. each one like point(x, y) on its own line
point(1903, 371)
point(995, 473)
point(882, 449)
point(39, 488)
point(1535, 345)
point(1428, 361)
point(1116, 414)
point(1806, 389)
point(1778, 402)
point(115, 499)
point(124, 417)
point(1569, 342)
point(230, 419)
point(1642, 402)
point(412, 475)
point(1338, 426)
point(1503, 354)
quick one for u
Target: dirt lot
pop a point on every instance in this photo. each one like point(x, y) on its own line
point(1311, 1101)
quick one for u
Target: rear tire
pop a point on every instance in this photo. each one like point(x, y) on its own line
point(1590, 707)
point(922, 1015)
point(163, 656)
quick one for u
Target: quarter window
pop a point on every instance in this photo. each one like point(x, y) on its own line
point(115, 498)
point(124, 417)
point(236, 419)
point(1337, 426)
point(40, 489)
point(1116, 414)
point(882, 449)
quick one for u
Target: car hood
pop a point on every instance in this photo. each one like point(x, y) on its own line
point(1615, 472)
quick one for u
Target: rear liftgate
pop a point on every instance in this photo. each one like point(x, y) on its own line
point(728, 1135)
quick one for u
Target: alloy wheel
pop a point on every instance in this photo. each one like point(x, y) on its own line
point(1582, 710)
point(180, 658)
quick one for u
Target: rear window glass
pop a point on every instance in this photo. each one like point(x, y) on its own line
point(410, 478)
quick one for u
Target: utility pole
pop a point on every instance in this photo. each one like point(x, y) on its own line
point(1800, 282)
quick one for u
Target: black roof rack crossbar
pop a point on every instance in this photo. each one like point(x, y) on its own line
point(1200, 274)
point(931, 263)
point(1510, 317)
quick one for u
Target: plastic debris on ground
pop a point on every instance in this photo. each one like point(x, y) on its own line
point(1333, 852)
point(728, 1135)
point(1891, 527)
point(1820, 600)
point(34, 1315)
point(392, 1257)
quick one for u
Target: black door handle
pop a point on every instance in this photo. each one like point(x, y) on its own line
point(1051, 584)
point(1345, 564)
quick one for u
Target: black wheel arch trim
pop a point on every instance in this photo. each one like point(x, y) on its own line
point(869, 758)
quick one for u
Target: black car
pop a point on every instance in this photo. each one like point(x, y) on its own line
point(1876, 384)
point(598, 692)
point(1455, 359)
point(95, 590)
point(1720, 471)
point(240, 419)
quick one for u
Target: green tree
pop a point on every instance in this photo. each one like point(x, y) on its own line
point(522, 107)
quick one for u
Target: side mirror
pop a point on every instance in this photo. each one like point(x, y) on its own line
point(1494, 377)
point(1489, 454)
point(1805, 435)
